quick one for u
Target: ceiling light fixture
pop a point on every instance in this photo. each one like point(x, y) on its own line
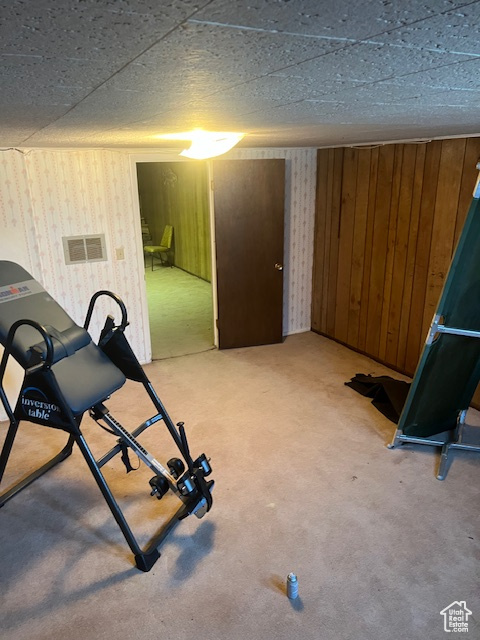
point(205, 144)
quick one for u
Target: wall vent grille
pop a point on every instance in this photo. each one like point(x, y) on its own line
point(80, 249)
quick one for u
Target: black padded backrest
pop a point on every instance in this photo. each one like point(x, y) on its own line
point(22, 297)
point(85, 375)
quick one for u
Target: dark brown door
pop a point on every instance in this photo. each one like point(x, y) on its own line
point(249, 211)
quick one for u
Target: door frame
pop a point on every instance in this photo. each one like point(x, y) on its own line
point(168, 155)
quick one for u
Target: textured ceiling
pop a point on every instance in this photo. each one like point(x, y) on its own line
point(287, 72)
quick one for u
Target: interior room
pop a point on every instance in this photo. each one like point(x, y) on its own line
point(316, 249)
point(175, 218)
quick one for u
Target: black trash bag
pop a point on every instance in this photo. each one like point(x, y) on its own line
point(388, 395)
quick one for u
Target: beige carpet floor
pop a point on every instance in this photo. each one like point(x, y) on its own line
point(180, 311)
point(304, 483)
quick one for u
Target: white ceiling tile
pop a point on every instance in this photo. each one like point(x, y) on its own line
point(455, 31)
point(119, 71)
point(236, 50)
point(463, 75)
point(48, 74)
point(371, 62)
point(111, 30)
point(339, 18)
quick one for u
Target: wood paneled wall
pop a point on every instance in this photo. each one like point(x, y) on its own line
point(387, 223)
point(176, 193)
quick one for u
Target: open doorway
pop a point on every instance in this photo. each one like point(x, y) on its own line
point(178, 279)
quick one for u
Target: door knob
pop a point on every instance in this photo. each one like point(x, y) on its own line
point(278, 266)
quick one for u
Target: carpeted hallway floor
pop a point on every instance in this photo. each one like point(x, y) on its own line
point(180, 311)
point(304, 483)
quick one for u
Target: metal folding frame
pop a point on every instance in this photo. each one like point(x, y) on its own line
point(417, 421)
point(191, 487)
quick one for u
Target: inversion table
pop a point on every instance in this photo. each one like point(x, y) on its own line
point(65, 375)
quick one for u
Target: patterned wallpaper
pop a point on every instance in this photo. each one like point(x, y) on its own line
point(17, 235)
point(62, 193)
point(47, 194)
point(17, 239)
